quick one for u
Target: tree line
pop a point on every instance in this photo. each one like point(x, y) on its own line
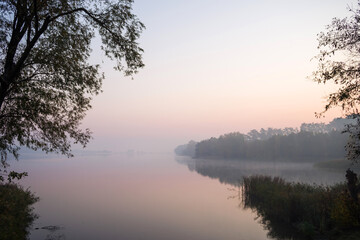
point(313, 141)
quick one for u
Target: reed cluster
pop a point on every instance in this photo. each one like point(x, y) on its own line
point(302, 211)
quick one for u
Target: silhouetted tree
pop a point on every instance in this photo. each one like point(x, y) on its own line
point(292, 147)
point(339, 63)
point(46, 82)
point(186, 149)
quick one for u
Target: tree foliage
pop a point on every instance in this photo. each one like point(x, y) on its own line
point(186, 149)
point(313, 141)
point(46, 81)
point(339, 63)
point(16, 211)
point(301, 146)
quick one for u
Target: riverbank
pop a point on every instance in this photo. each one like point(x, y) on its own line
point(303, 211)
point(16, 211)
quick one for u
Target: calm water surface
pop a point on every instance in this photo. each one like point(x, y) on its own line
point(147, 197)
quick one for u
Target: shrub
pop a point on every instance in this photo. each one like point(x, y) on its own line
point(16, 211)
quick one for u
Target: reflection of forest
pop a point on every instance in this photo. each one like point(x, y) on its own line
point(286, 210)
point(233, 171)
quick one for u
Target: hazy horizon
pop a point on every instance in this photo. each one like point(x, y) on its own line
point(214, 72)
point(211, 68)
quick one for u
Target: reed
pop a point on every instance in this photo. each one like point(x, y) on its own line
point(301, 211)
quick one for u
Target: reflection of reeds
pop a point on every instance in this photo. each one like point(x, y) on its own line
point(300, 211)
point(16, 212)
point(236, 193)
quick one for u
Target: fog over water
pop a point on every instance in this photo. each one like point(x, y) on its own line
point(148, 196)
point(211, 68)
point(232, 171)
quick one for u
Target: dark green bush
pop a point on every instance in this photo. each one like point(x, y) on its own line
point(16, 212)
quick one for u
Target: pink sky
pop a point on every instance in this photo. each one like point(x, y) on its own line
point(214, 67)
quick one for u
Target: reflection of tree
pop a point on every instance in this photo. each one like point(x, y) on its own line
point(278, 230)
point(287, 210)
point(55, 236)
point(214, 169)
point(53, 233)
point(233, 171)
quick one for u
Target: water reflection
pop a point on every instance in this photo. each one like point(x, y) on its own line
point(293, 211)
point(149, 197)
point(233, 171)
point(52, 232)
point(55, 237)
point(134, 198)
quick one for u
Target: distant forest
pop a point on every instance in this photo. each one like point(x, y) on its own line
point(314, 141)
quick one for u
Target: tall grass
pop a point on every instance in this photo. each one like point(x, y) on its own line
point(301, 211)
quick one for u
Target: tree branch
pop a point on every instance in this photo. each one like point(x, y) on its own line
point(91, 15)
point(36, 17)
point(28, 33)
point(29, 47)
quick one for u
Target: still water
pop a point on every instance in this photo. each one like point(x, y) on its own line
point(152, 196)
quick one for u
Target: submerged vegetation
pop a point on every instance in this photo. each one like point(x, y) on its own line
point(303, 211)
point(16, 211)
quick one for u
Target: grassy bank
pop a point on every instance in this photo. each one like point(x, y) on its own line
point(16, 212)
point(302, 211)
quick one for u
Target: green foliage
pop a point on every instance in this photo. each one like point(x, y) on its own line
point(16, 175)
point(345, 212)
point(11, 176)
point(46, 82)
point(16, 213)
point(301, 211)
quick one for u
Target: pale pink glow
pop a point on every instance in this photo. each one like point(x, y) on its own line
point(203, 115)
point(149, 193)
point(251, 73)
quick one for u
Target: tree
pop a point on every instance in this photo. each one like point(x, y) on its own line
point(46, 82)
point(339, 63)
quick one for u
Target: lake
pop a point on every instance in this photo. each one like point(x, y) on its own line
point(149, 196)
